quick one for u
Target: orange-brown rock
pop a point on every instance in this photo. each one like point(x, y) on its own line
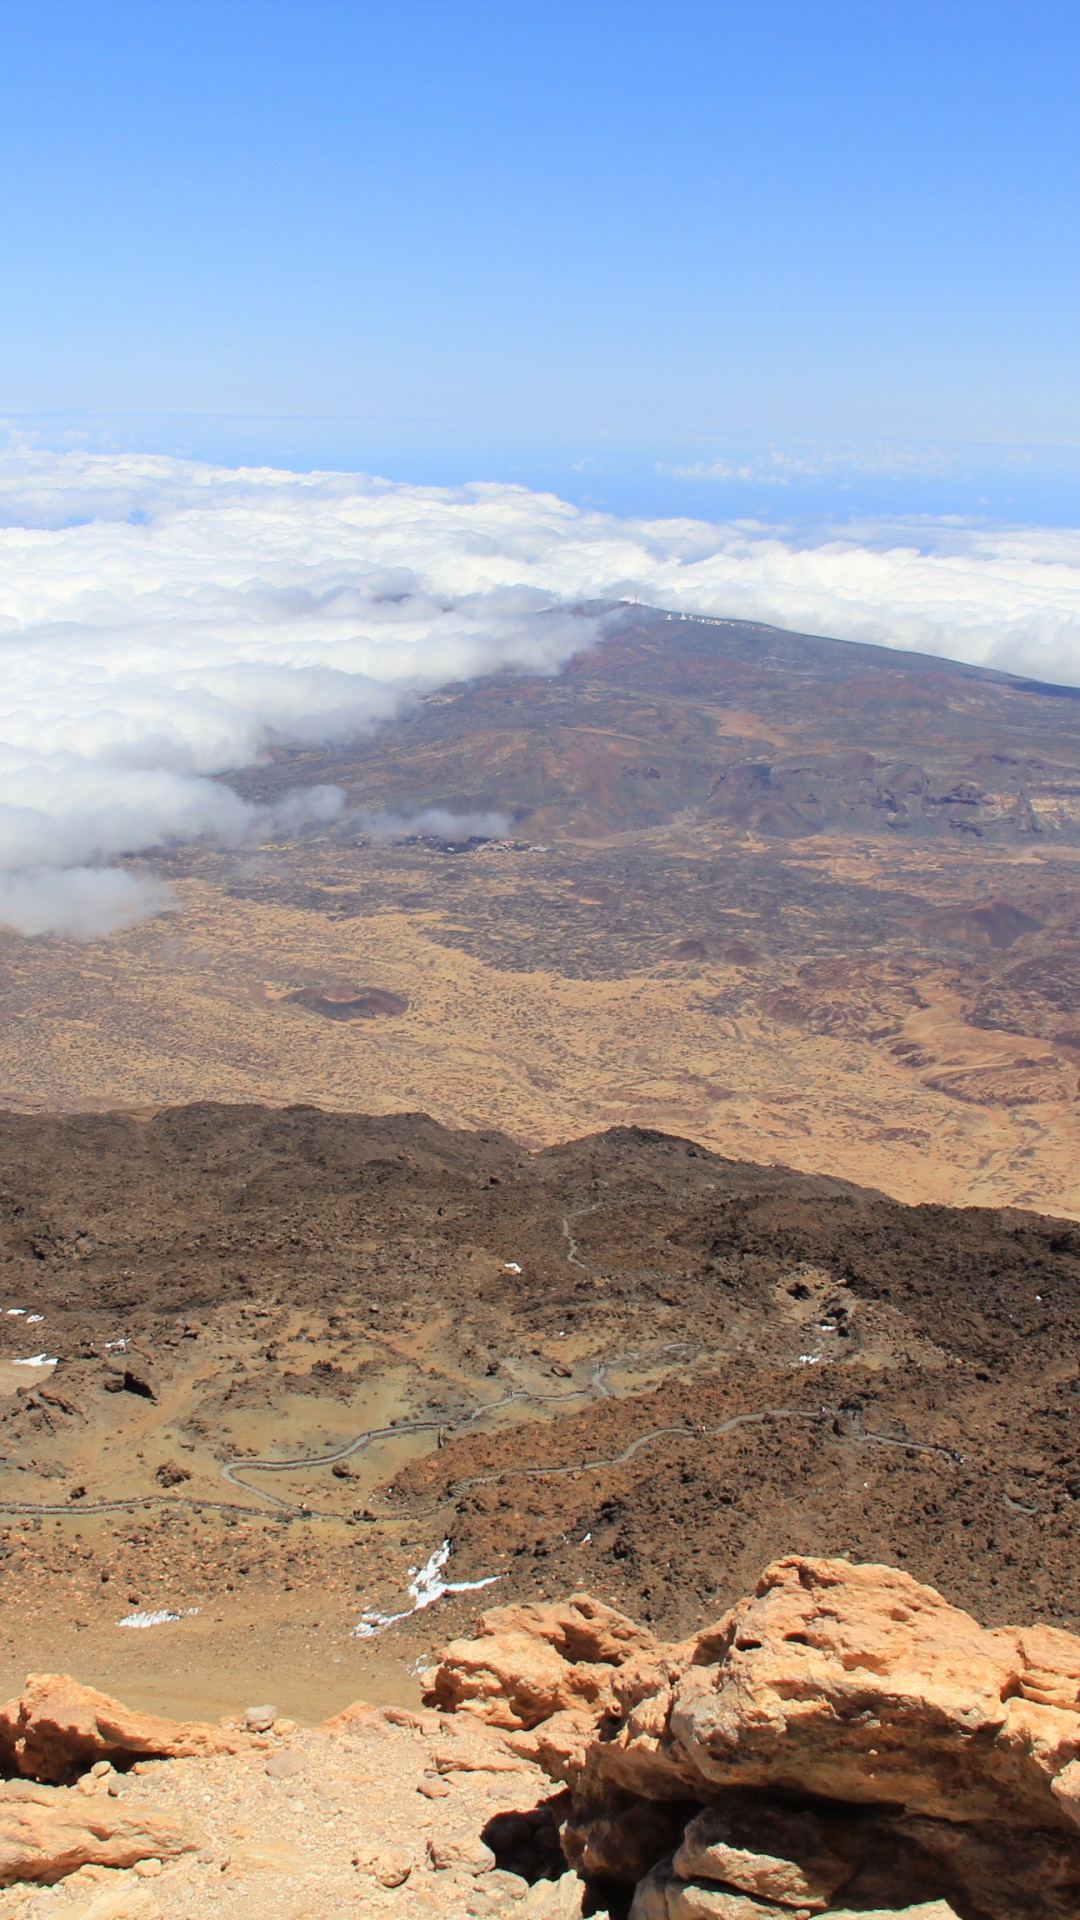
point(662, 1895)
point(796, 1858)
point(47, 1832)
point(527, 1663)
point(55, 1729)
point(936, 1757)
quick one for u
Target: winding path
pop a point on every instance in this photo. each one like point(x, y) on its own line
point(597, 1384)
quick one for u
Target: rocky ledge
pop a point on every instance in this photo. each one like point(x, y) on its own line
point(841, 1742)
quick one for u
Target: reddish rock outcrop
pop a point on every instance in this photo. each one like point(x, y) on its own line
point(56, 1729)
point(856, 1741)
point(530, 1662)
point(47, 1832)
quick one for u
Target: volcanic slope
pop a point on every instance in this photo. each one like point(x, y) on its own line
point(795, 898)
point(623, 1362)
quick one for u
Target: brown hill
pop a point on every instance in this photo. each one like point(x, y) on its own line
point(297, 1351)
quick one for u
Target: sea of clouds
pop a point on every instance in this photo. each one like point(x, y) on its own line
point(164, 622)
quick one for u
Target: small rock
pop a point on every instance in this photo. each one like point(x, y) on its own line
point(553, 1900)
point(259, 1719)
point(462, 1849)
point(505, 1886)
point(148, 1869)
point(433, 1788)
point(283, 1764)
point(171, 1474)
point(392, 1867)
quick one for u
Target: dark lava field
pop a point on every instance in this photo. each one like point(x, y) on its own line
point(624, 1363)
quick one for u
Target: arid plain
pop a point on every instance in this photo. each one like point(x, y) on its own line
point(805, 902)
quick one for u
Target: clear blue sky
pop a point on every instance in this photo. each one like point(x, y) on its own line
point(462, 229)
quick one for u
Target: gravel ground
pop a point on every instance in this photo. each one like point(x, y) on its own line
point(386, 1817)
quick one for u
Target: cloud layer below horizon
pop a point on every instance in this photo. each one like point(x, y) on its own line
point(164, 622)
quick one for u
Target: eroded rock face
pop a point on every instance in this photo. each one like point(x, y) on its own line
point(851, 1738)
point(56, 1729)
point(47, 1832)
point(529, 1662)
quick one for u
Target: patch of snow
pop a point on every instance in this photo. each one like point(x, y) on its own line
point(12, 1310)
point(37, 1360)
point(34, 1318)
point(157, 1619)
point(426, 1586)
point(511, 1266)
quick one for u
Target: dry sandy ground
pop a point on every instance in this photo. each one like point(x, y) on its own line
point(312, 1830)
point(893, 1089)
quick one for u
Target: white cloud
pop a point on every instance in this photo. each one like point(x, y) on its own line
point(81, 902)
point(163, 622)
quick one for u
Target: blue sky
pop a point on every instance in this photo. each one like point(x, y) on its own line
point(683, 256)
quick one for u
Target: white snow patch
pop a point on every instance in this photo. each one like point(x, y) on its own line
point(157, 1619)
point(37, 1360)
point(426, 1586)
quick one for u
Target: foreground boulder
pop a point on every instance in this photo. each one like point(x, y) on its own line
point(843, 1738)
point(56, 1729)
point(48, 1832)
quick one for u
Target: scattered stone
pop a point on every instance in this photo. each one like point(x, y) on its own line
point(463, 1849)
point(259, 1719)
point(361, 1717)
point(171, 1474)
point(561, 1899)
point(392, 1867)
point(283, 1764)
point(502, 1885)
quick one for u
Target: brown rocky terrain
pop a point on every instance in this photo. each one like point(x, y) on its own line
point(800, 900)
point(284, 1356)
point(842, 1741)
point(106, 1814)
